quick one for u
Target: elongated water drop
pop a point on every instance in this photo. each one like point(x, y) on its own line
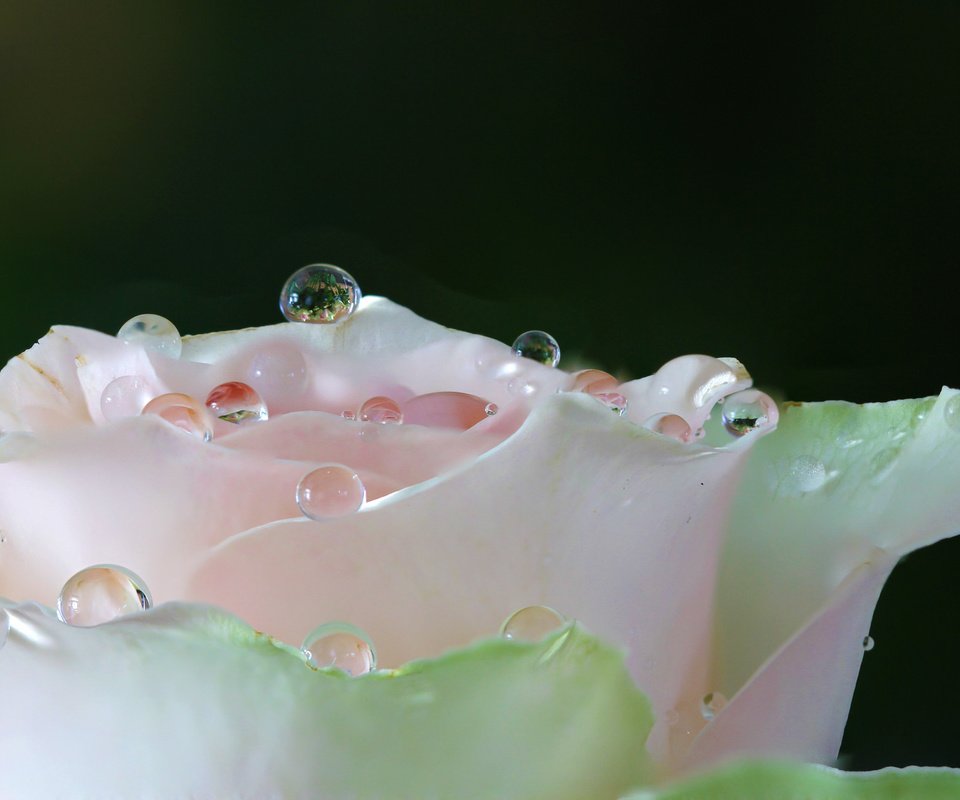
point(155, 333)
point(331, 490)
point(456, 410)
point(539, 346)
point(237, 402)
point(101, 593)
point(531, 624)
point(183, 411)
point(319, 293)
point(340, 645)
point(712, 704)
point(383, 410)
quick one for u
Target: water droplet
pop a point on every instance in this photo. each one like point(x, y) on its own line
point(349, 415)
point(319, 293)
point(951, 412)
point(712, 704)
point(155, 333)
point(279, 373)
point(340, 645)
point(882, 463)
point(456, 410)
point(615, 401)
point(237, 402)
point(538, 346)
point(531, 624)
point(746, 411)
point(124, 397)
point(490, 409)
point(804, 474)
point(868, 644)
point(593, 381)
point(183, 411)
point(382, 410)
point(674, 426)
point(101, 593)
point(331, 490)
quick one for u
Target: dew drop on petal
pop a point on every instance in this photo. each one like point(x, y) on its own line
point(278, 372)
point(349, 415)
point(593, 381)
point(747, 411)
point(531, 624)
point(183, 411)
point(490, 409)
point(882, 463)
point(237, 402)
point(124, 397)
point(101, 593)
point(804, 474)
point(340, 645)
point(674, 426)
point(868, 644)
point(319, 293)
point(615, 401)
point(331, 490)
point(712, 704)
point(381, 409)
point(538, 346)
point(951, 412)
point(154, 333)
point(521, 386)
point(456, 410)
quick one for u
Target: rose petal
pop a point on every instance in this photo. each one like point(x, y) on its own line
point(186, 701)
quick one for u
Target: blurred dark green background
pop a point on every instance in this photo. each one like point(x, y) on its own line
point(642, 180)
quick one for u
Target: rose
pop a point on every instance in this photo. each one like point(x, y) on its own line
point(553, 500)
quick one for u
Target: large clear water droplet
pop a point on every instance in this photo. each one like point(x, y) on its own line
point(531, 624)
point(340, 645)
point(124, 397)
point(331, 490)
point(183, 411)
point(237, 402)
point(101, 593)
point(154, 333)
point(593, 381)
point(383, 410)
point(456, 410)
point(951, 412)
point(674, 426)
point(712, 704)
point(539, 346)
point(746, 411)
point(320, 293)
point(278, 372)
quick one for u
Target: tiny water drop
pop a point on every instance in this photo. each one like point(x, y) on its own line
point(538, 346)
point(383, 410)
point(183, 411)
point(331, 490)
point(124, 397)
point(237, 402)
point(319, 293)
point(951, 412)
point(868, 644)
point(101, 593)
point(340, 645)
point(154, 333)
point(747, 411)
point(531, 624)
point(712, 704)
point(804, 474)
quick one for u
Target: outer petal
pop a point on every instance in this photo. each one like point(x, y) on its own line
point(186, 701)
point(786, 781)
point(824, 510)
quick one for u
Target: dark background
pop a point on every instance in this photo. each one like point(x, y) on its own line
point(672, 178)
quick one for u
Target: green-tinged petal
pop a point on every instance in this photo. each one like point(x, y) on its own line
point(825, 508)
point(187, 701)
point(787, 781)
